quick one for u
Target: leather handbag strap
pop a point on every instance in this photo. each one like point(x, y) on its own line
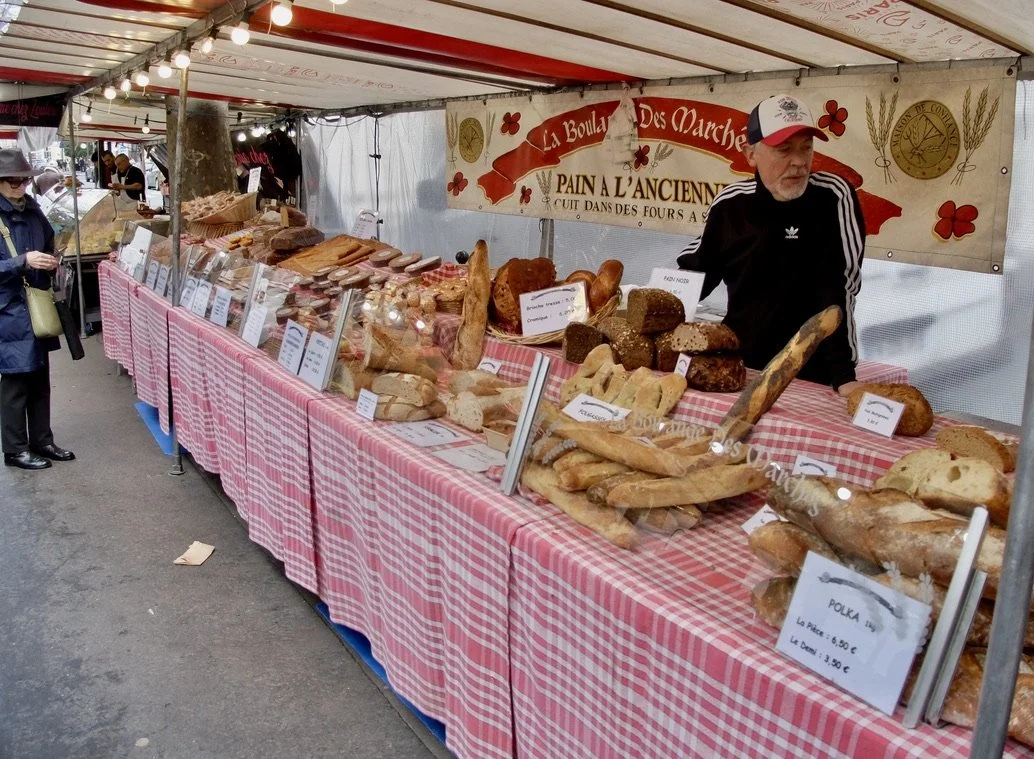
point(6, 233)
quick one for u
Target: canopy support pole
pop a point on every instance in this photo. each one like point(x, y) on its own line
point(75, 210)
point(1012, 605)
point(177, 223)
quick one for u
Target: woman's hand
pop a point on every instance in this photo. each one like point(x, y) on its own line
point(847, 388)
point(42, 261)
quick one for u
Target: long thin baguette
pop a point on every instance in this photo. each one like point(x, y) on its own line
point(574, 458)
point(602, 520)
point(885, 527)
point(584, 476)
point(471, 336)
point(711, 484)
point(598, 492)
point(630, 452)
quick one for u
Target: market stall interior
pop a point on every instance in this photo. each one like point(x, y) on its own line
point(431, 255)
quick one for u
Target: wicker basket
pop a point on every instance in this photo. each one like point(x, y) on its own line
point(210, 231)
point(547, 338)
point(242, 209)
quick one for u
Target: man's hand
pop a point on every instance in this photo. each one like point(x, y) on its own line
point(42, 261)
point(116, 186)
point(847, 388)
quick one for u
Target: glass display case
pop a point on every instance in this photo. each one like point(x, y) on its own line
point(102, 217)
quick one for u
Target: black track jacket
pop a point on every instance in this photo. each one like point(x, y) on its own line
point(783, 262)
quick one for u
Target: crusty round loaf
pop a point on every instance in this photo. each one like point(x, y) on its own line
point(702, 337)
point(516, 277)
point(606, 284)
point(651, 310)
point(918, 416)
point(716, 374)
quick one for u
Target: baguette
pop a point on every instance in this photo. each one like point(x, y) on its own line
point(771, 599)
point(466, 353)
point(961, 703)
point(665, 521)
point(885, 527)
point(408, 388)
point(574, 458)
point(598, 492)
point(584, 476)
point(384, 351)
point(632, 453)
point(783, 547)
point(712, 483)
point(602, 520)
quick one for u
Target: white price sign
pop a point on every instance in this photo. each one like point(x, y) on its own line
point(878, 414)
point(854, 631)
point(162, 285)
point(472, 458)
point(553, 308)
point(252, 332)
point(682, 365)
point(187, 294)
point(427, 434)
point(152, 275)
point(807, 465)
point(254, 177)
point(220, 307)
point(585, 408)
point(687, 285)
point(490, 365)
point(202, 293)
point(292, 346)
point(366, 406)
point(318, 355)
point(365, 227)
point(764, 516)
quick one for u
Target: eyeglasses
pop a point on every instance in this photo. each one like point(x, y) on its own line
point(16, 181)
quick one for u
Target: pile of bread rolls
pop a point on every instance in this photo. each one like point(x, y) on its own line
point(907, 533)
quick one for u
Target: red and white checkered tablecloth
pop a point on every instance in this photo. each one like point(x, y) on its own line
point(656, 653)
point(416, 554)
point(191, 406)
point(279, 493)
point(152, 386)
point(120, 289)
point(110, 333)
point(225, 356)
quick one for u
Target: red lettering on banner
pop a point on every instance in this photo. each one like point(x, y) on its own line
point(546, 145)
point(707, 127)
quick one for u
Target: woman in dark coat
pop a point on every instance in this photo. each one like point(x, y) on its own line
point(27, 440)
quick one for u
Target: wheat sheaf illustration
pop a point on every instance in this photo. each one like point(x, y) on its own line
point(452, 134)
point(975, 130)
point(879, 133)
point(663, 153)
point(545, 179)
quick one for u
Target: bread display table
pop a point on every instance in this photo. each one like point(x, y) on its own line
point(191, 404)
point(416, 554)
point(117, 288)
point(524, 633)
point(149, 332)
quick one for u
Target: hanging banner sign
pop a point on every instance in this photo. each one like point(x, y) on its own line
point(929, 154)
point(43, 111)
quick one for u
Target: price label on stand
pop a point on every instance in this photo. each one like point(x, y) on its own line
point(152, 275)
point(878, 414)
point(553, 309)
point(682, 365)
point(162, 285)
point(490, 365)
point(318, 355)
point(585, 408)
point(187, 295)
point(366, 405)
point(764, 516)
point(365, 227)
point(254, 178)
point(807, 465)
point(687, 285)
point(252, 331)
point(426, 434)
point(202, 294)
point(472, 458)
point(854, 631)
point(292, 346)
point(220, 307)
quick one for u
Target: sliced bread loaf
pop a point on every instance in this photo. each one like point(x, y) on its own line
point(966, 440)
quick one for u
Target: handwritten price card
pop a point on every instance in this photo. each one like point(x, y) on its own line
point(854, 631)
point(553, 308)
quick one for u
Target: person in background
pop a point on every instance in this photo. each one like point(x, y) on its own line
point(107, 169)
point(788, 243)
point(26, 257)
point(128, 178)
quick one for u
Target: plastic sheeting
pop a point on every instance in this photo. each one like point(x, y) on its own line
point(964, 337)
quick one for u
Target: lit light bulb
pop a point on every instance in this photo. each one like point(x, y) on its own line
point(110, 92)
point(125, 85)
point(146, 129)
point(86, 116)
point(82, 145)
point(256, 131)
point(208, 44)
point(181, 58)
point(165, 69)
point(240, 34)
point(291, 132)
point(142, 79)
point(241, 137)
point(281, 13)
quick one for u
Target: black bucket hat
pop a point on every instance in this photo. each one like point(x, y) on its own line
point(13, 163)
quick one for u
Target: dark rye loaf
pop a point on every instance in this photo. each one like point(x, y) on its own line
point(651, 310)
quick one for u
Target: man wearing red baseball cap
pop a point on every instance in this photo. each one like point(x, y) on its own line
point(787, 243)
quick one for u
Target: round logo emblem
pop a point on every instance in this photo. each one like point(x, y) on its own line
point(471, 139)
point(925, 140)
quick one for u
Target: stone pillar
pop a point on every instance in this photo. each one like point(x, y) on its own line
point(207, 153)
